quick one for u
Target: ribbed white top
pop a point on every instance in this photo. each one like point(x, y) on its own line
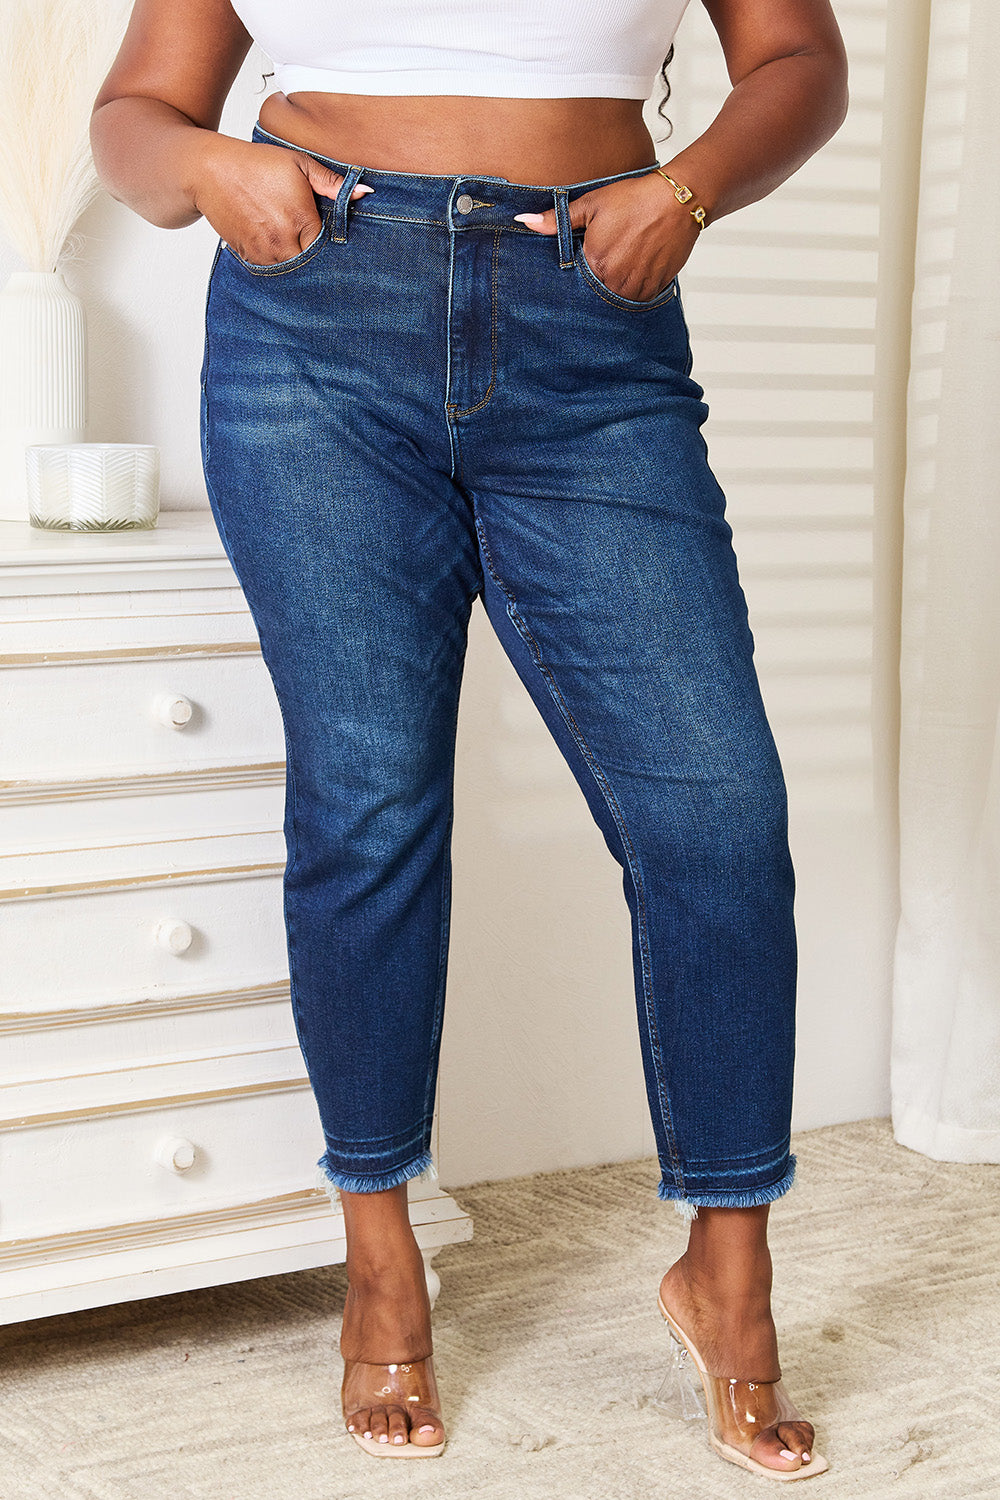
point(516, 49)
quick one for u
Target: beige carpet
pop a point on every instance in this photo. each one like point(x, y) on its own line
point(549, 1348)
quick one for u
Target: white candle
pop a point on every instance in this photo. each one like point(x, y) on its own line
point(93, 486)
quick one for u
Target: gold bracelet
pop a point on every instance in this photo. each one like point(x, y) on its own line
point(684, 195)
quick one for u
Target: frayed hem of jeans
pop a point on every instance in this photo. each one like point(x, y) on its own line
point(333, 1182)
point(739, 1198)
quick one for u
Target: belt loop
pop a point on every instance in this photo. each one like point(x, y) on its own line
point(566, 256)
point(341, 202)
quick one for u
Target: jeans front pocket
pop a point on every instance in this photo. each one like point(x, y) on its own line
point(282, 267)
point(590, 276)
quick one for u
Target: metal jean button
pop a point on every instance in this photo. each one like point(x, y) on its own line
point(463, 203)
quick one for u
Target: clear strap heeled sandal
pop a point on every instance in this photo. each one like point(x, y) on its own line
point(738, 1411)
point(411, 1386)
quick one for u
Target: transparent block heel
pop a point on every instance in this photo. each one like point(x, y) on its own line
point(680, 1396)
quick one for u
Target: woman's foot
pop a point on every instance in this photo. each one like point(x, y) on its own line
point(719, 1292)
point(389, 1393)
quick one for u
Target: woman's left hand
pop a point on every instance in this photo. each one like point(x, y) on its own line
point(636, 235)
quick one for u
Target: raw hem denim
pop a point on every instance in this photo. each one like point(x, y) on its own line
point(687, 1203)
point(375, 1182)
point(428, 407)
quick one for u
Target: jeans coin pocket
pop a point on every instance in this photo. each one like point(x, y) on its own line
point(590, 276)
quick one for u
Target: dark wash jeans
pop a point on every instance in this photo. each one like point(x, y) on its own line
point(433, 403)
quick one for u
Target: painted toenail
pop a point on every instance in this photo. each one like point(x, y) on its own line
point(399, 1438)
point(785, 1454)
point(805, 1458)
point(383, 1437)
point(425, 1429)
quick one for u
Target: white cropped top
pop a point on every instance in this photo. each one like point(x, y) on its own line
point(518, 49)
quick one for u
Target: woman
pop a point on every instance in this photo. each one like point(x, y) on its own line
point(446, 359)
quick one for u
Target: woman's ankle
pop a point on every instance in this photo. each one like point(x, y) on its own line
point(715, 1286)
point(382, 1251)
point(728, 1248)
point(387, 1276)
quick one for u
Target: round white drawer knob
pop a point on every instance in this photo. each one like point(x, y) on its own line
point(175, 1153)
point(172, 710)
point(174, 935)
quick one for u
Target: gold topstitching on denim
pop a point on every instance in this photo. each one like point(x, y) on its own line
point(613, 299)
point(361, 213)
point(283, 267)
point(561, 197)
point(453, 410)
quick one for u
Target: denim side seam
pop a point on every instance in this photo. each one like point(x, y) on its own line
point(521, 625)
point(689, 358)
point(205, 363)
point(439, 994)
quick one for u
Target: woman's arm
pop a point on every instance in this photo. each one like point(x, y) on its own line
point(788, 68)
point(156, 115)
point(154, 134)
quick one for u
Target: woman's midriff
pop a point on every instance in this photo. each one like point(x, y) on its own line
point(540, 141)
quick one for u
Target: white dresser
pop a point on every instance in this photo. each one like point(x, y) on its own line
point(157, 1130)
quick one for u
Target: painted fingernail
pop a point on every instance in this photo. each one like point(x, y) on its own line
point(361, 190)
point(529, 218)
point(785, 1454)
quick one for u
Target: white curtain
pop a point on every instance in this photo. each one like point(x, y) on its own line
point(946, 996)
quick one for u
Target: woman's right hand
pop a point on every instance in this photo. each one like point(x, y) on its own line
point(261, 199)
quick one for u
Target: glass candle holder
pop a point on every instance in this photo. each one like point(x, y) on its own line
point(93, 486)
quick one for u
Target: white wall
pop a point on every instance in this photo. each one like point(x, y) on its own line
point(541, 1058)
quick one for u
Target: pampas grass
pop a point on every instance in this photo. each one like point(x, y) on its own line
point(54, 56)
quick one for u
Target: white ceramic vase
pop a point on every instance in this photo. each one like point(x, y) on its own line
point(43, 376)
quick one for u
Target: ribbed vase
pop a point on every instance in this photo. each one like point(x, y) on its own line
point(43, 376)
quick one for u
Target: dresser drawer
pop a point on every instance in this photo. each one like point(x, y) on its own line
point(149, 1143)
point(190, 1138)
point(156, 709)
point(103, 944)
point(159, 1028)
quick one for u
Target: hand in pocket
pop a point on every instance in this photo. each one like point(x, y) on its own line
point(261, 199)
